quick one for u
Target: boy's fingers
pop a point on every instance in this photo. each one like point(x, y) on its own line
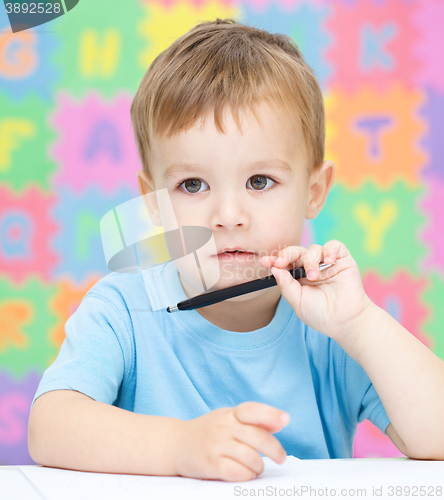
point(294, 256)
point(267, 260)
point(261, 414)
point(335, 251)
point(311, 259)
point(261, 440)
point(234, 470)
point(290, 255)
point(331, 250)
point(245, 454)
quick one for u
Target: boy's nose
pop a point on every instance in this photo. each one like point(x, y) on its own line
point(230, 214)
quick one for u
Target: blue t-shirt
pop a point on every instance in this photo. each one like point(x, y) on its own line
point(119, 351)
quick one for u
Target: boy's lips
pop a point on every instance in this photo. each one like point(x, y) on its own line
point(234, 254)
point(232, 249)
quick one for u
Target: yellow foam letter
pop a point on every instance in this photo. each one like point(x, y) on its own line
point(99, 59)
point(10, 129)
point(375, 225)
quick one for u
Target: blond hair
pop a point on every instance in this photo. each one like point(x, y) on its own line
point(224, 63)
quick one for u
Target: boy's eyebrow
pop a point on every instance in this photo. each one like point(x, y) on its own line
point(274, 164)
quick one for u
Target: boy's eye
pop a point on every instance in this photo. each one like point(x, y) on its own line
point(193, 185)
point(259, 181)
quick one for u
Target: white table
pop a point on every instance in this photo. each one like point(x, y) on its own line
point(374, 478)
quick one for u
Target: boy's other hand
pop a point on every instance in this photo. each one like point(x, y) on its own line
point(225, 443)
point(332, 301)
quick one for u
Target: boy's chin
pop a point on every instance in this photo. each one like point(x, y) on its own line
point(229, 279)
point(227, 275)
point(241, 274)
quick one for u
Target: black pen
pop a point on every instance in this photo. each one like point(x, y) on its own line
point(206, 299)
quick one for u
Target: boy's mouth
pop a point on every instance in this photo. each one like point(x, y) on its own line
point(237, 254)
point(234, 251)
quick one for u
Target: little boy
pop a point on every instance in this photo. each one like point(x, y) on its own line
point(230, 120)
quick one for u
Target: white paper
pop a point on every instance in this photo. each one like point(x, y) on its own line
point(372, 477)
point(14, 485)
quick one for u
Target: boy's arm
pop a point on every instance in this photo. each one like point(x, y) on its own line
point(408, 377)
point(70, 430)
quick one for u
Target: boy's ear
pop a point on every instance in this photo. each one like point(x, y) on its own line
point(319, 184)
point(147, 190)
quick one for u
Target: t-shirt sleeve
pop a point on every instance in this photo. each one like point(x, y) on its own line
point(95, 354)
point(363, 401)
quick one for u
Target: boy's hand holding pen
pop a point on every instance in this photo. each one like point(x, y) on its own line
point(332, 301)
point(322, 284)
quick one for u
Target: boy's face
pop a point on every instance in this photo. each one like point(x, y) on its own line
point(234, 188)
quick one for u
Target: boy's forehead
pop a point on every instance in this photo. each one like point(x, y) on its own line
point(276, 137)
